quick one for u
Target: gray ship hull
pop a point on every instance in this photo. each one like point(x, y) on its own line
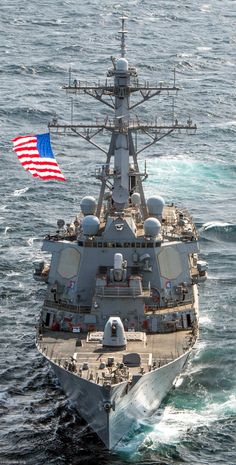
point(112, 411)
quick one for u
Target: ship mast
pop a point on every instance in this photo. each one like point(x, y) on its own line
point(123, 32)
point(125, 177)
point(122, 74)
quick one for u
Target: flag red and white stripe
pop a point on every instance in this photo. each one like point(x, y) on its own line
point(36, 156)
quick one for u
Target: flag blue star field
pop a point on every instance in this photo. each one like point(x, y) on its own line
point(36, 156)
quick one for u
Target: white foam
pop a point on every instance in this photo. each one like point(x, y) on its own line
point(175, 423)
point(31, 240)
point(19, 192)
point(214, 224)
point(13, 273)
point(231, 123)
point(205, 321)
point(179, 381)
point(205, 7)
point(7, 229)
point(204, 49)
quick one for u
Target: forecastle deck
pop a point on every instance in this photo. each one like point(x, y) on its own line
point(84, 354)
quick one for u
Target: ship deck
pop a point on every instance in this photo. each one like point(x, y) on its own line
point(85, 355)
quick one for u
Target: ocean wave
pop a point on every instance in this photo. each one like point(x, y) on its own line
point(218, 231)
point(45, 68)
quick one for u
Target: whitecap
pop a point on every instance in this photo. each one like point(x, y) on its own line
point(7, 229)
point(205, 7)
point(230, 63)
point(205, 321)
point(30, 241)
point(204, 49)
point(231, 123)
point(214, 224)
point(19, 192)
point(13, 273)
point(218, 231)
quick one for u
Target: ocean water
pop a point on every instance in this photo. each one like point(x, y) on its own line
point(39, 42)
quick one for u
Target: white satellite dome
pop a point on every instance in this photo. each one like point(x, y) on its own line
point(152, 227)
point(90, 225)
point(155, 205)
point(135, 198)
point(122, 65)
point(88, 205)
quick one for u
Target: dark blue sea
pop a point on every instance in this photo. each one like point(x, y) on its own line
point(39, 42)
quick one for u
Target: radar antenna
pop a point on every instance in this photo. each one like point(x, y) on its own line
point(123, 175)
point(123, 32)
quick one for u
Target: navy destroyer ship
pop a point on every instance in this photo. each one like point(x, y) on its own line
point(120, 316)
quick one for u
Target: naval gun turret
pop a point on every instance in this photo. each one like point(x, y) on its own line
point(114, 333)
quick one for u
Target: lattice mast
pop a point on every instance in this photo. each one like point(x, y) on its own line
point(125, 177)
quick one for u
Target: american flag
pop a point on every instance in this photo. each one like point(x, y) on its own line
point(36, 156)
